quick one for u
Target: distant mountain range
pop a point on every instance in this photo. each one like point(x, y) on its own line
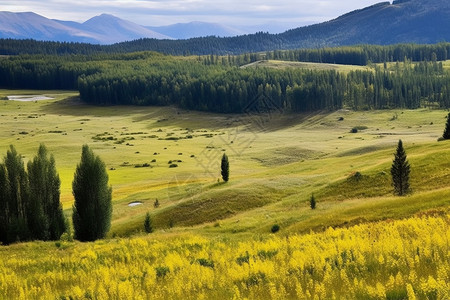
point(403, 21)
point(103, 29)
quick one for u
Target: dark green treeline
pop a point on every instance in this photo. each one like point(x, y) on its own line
point(217, 84)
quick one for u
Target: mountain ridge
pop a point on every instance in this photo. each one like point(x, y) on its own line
point(403, 21)
point(102, 29)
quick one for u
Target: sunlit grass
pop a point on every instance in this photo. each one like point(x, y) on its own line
point(274, 168)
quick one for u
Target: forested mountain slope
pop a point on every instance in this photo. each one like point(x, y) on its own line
point(412, 21)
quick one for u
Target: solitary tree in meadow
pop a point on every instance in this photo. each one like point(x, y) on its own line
point(400, 171)
point(45, 214)
point(225, 167)
point(446, 134)
point(92, 209)
point(148, 224)
point(312, 202)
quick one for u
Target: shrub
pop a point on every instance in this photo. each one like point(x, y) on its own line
point(206, 263)
point(162, 271)
point(275, 228)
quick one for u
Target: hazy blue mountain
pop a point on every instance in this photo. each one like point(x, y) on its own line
point(29, 25)
point(112, 29)
point(103, 29)
point(197, 29)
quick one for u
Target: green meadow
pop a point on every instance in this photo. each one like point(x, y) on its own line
point(277, 161)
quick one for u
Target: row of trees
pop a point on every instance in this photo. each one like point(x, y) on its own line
point(30, 207)
point(252, 43)
point(232, 90)
point(29, 201)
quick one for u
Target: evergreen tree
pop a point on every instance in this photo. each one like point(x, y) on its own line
point(312, 202)
point(16, 197)
point(400, 171)
point(225, 167)
point(148, 224)
point(4, 207)
point(92, 209)
point(446, 134)
point(45, 218)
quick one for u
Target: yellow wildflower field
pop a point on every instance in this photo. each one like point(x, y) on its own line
point(403, 259)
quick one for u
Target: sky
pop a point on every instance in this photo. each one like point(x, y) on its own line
point(164, 12)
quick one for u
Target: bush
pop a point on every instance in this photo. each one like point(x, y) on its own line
point(162, 271)
point(173, 166)
point(206, 263)
point(156, 203)
point(275, 228)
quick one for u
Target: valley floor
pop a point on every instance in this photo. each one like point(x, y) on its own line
point(214, 238)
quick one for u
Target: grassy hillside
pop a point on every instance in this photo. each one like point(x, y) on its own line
point(213, 239)
point(277, 161)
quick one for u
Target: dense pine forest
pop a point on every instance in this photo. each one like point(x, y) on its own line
point(401, 76)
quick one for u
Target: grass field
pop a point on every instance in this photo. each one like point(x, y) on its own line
point(276, 161)
point(279, 64)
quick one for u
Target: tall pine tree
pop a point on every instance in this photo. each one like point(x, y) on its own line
point(400, 171)
point(148, 223)
point(4, 205)
point(16, 197)
point(92, 209)
point(446, 134)
point(45, 218)
point(225, 168)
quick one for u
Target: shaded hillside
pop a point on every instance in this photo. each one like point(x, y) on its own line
point(403, 21)
point(384, 23)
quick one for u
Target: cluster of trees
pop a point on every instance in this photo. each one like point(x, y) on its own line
point(30, 208)
point(230, 90)
point(364, 54)
point(240, 50)
point(216, 84)
point(251, 43)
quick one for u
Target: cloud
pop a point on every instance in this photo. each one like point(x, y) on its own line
point(163, 12)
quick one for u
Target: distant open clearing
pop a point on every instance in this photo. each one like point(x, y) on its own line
point(278, 64)
point(26, 98)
